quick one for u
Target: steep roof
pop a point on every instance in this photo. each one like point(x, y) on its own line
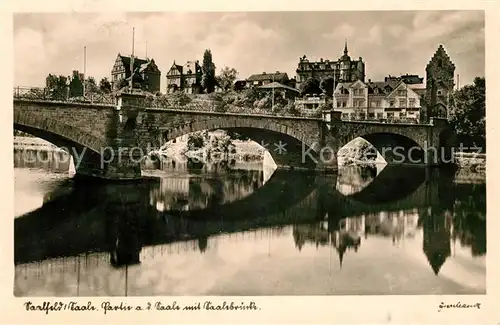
point(439, 55)
point(386, 87)
point(268, 76)
point(176, 66)
point(137, 62)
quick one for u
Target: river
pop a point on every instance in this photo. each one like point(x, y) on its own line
point(242, 229)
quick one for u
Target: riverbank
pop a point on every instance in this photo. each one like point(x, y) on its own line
point(472, 162)
point(29, 143)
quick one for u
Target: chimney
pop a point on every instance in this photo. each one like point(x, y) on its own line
point(369, 80)
point(264, 72)
point(321, 60)
point(360, 59)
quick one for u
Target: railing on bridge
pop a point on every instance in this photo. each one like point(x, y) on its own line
point(400, 120)
point(52, 95)
point(196, 103)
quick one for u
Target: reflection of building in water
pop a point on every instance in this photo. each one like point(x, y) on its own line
point(395, 224)
point(182, 193)
point(343, 237)
point(436, 244)
point(172, 194)
point(51, 159)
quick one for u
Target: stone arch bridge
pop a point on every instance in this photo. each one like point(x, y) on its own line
point(108, 141)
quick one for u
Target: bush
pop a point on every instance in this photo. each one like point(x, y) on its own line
point(195, 141)
point(291, 109)
point(179, 98)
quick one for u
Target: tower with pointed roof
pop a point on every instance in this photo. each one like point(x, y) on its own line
point(440, 73)
point(345, 65)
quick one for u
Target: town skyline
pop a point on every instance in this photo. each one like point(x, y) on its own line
point(273, 41)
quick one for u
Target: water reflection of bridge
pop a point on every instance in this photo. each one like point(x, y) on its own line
point(91, 220)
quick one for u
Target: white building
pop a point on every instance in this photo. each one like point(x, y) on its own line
point(387, 100)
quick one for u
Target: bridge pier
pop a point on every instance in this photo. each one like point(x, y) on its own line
point(120, 159)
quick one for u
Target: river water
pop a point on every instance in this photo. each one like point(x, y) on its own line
point(242, 229)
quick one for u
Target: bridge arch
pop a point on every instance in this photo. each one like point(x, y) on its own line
point(285, 140)
point(56, 132)
point(83, 147)
point(394, 147)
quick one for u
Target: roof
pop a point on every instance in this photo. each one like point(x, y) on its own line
point(177, 66)
point(268, 76)
point(137, 62)
point(385, 86)
point(278, 85)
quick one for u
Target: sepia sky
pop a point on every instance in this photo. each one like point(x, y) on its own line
point(393, 43)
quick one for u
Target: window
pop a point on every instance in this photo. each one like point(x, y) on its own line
point(380, 116)
point(371, 115)
point(344, 104)
point(439, 92)
point(345, 116)
point(401, 92)
point(338, 104)
point(402, 103)
point(411, 102)
point(390, 115)
point(391, 103)
point(362, 116)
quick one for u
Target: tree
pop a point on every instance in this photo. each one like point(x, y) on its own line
point(75, 85)
point(468, 113)
point(326, 86)
point(57, 86)
point(208, 68)
point(105, 85)
point(227, 77)
point(195, 141)
point(310, 86)
point(90, 85)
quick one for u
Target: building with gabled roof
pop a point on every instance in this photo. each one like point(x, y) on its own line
point(257, 80)
point(379, 100)
point(146, 74)
point(186, 78)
